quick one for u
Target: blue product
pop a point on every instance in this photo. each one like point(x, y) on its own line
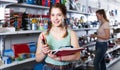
point(52, 2)
point(45, 26)
point(68, 21)
point(35, 2)
point(30, 1)
point(15, 23)
point(8, 52)
point(32, 46)
point(46, 2)
point(6, 59)
point(32, 55)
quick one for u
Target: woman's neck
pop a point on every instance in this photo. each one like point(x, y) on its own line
point(58, 29)
point(103, 21)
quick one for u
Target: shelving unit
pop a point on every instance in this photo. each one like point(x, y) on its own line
point(21, 32)
point(113, 61)
point(84, 29)
point(114, 48)
point(17, 62)
point(37, 31)
point(46, 8)
point(88, 58)
point(9, 1)
point(4, 34)
point(30, 6)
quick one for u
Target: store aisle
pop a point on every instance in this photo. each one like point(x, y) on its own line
point(115, 66)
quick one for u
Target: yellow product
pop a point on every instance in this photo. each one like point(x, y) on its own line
point(34, 20)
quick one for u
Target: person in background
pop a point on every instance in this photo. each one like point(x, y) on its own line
point(103, 35)
point(57, 36)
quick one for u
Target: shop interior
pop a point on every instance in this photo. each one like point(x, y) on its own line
point(21, 22)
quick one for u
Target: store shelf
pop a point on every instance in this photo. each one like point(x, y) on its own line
point(112, 62)
point(92, 43)
point(8, 65)
point(29, 31)
point(47, 8)
point(83, 29)
point(112, 49)
point(7, 1)
point(113, 39)
point(21, 32)
point(36, 31)
point(75, 11)
point(26, 60)
point(31, 6)
point(115, 26)
point(16, 63)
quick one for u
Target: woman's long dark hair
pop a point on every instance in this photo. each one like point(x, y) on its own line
point(64, 12)
point(102, 12)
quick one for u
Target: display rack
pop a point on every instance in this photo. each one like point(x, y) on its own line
point(16, 63)
point(9, 1)
point(45, 7)
point(3, 34)
point(88, 57)
point(21, 32)
point(113, 61)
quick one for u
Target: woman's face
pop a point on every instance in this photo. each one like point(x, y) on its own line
point(99, 17)
point(56, 17)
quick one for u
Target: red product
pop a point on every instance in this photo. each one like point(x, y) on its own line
point(57, 1)
point(43, 2)
point(48, 3)
point(20, 48)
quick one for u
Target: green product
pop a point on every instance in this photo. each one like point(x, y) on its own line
point(63, 1)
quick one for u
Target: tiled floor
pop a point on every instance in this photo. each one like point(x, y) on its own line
point(115, 66)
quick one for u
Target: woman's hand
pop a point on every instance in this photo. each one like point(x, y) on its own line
point(93, 35)
point(45, 49)
point(53, 56)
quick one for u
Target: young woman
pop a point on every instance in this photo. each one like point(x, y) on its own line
point(103, 34)
point(57, 36)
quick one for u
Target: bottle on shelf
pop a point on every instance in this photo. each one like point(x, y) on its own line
point(81, 21)
point(24, 21)
point(39, 2)
point(67, 4)
point(45, 24)
point(1, 24)
point(34, 24)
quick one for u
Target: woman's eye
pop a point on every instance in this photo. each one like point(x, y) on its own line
point(59, 15)
point(52, 14)
point(56, 15)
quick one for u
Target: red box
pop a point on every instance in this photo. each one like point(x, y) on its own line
point(43, 2)
point(20, 48)
point(48, 3)
point(57, 1)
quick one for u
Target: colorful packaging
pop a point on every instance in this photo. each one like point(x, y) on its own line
point(53, 2)
point(62, 1)
point(43, 2)
point(48, 3)
point(39, 2)
point(57, 1)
